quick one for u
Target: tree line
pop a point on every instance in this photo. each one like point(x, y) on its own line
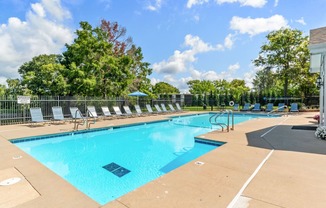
point(103, 62)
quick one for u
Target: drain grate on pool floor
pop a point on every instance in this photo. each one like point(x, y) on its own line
point(116, 169)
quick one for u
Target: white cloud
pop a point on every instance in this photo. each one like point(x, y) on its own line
point(233, 68)
point(179, 61)
point(38, 34)
point(191, 3)
point(259, 25)
point(301, 21)
point(154, 5)
point(276, 3)
point(252, 3)
point(228, 41)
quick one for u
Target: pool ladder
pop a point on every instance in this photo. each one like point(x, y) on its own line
point(213, 118)
point(84, 120)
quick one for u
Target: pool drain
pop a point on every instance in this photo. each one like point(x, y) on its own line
point(199, 163)
point(10, 181)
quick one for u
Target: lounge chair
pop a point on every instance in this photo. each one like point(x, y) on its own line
point(246, 107)
point(164, 108)
point(236, 107)
point(178, 107)
point(139, 111)
point(128, 111)
point(92, 112)
point(150, 110)
point(172, 109)
point(294, 107)
point(76, 113)
point(280, 107)
point(269, 107)
point(58, 114)
point(256, 107)
point(106, 112)
point(158, 109)
point(37, 116)
point(118, 112)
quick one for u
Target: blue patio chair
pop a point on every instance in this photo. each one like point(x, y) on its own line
point(280, 107)
point(246, 107)
point(256, 107)
point(269, 107)
point(236, 107)
point(294, 107)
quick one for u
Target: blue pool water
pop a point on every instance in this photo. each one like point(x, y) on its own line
point(108, 163)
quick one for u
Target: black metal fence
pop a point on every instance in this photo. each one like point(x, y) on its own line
point(11, 112)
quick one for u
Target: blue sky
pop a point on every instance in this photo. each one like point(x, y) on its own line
point(182, 39)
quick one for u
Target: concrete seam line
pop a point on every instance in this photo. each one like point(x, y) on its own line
point(235, 199)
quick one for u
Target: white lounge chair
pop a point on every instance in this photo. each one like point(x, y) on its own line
point(171, 108)
point(158, 109)
point(118, 112)
point(106, 112)
point(92, 112)
point(128, 111)
point(58, 114)
point(178, 107)
point(164, 108)
point(150, 110)
point(139, 111)
point(37, 116)
point(76, 113)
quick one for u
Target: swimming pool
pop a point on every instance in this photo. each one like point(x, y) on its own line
point(108, 163)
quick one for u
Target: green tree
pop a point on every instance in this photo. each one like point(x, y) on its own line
point(98, 63)
point(164, 88)
point(237, 88)
point(282, 53)
point(200, 86)
point(43, 75)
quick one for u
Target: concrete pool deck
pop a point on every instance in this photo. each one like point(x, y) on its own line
point(264, 163)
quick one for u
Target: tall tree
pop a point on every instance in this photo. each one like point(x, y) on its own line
point(281, 53)
point(43, 75)
point(95, 68)
point(200, 86)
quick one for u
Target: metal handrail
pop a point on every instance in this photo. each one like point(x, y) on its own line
point(88, 125)
point(223, 124)
point(76, 124)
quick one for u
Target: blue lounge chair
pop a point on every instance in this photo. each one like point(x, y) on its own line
point(256, 107)
point(294, 107)
point(37, 116)
point(280, 107)
point(236, 107)
point(246, 107)
point(269, 107)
